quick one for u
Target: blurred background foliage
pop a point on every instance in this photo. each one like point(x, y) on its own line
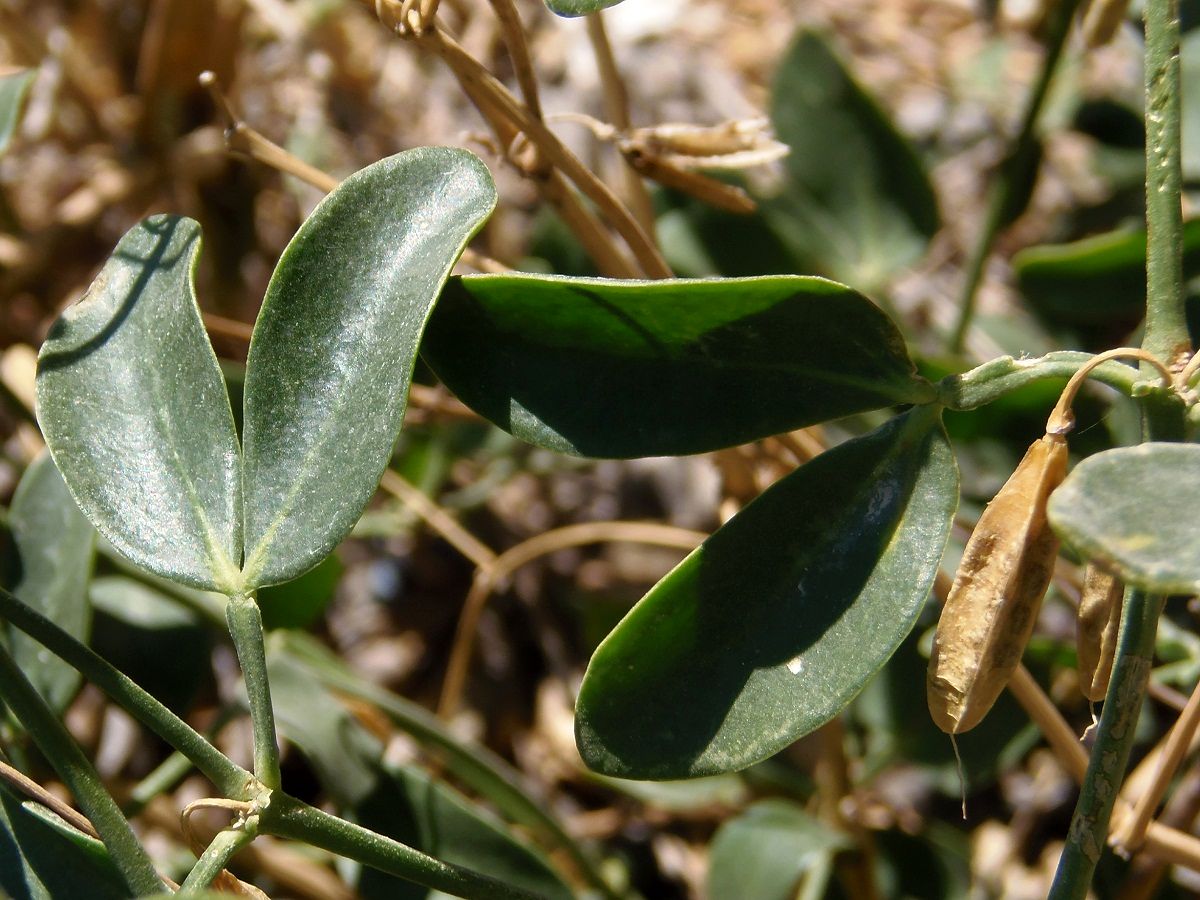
point(897, 113)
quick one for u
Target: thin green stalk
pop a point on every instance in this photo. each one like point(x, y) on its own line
point(171, 770)
point(215, 858)
point(992, 380)
point(1110, 754)
point(287, 817)
point(246, 628)
point(1165, 336)
point(1018, 168)
point(229, 778)
point(80, 777)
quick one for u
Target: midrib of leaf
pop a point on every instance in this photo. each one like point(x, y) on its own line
point(255, 559)
point(226, 576)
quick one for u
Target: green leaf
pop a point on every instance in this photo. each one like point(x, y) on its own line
point(762, 853)
point(56, 546)
point(411, 807)
point(857, 204)
point(13, 89)
point(650, 368)
point(1133, 510)
point(134, 409)
point(572, 8)
point(1096, 280)
point(333, 350)
point(134, 622)
point(776, 622)
point(400, 802)
point(41, 862)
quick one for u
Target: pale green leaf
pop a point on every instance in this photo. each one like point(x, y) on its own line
point(56, 545)
point(134, 409)
point(1133, 510)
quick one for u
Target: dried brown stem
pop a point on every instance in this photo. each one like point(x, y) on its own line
point(518, 51)
point(616, 108)
point(470, 71)
point(488, 577)
point(22, 783)
point(438, 519)
point(1167, 758)
point(1162, 842)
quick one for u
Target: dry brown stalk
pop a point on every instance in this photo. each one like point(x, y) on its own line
point(1131, 833)
point(489, 577)
point(470, 70)
point(616, 108)
point(1162, 842)
point(438, 519)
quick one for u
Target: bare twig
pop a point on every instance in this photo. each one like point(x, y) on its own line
point(18, 781)
point(616, 107)
point(1165, 760)
point(438, 519)
point(488, 577)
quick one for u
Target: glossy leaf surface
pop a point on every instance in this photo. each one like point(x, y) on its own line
point(56, 545)
point(13, 89)
point(1098, 279)
point(334, 347)
point(134, 409)
point(651, 368)
point(579, 7)
point(762, 853)
point(778, 620)
point(1133, 510)
point(856, 204)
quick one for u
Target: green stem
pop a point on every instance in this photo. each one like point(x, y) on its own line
point(1163, 419)
point(1016, 173)
point(1110, 754)
point(215, 858)
point(246, 628)
point(994, 379)
point(1166, 334)
point(171, 770)
point(289, 818)
point(80, 777)
point(230, 779)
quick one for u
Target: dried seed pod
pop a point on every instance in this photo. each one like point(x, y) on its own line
point(993, 605)
point(1096, 631)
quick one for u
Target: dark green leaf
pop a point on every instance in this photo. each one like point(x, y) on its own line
point(409, 806)
point(400, 802)
point(344, 755)
point(40, 862)
point(762, 853)
point(778, 620)
point(857, 204)
point(572, 8)
point(299, 603)
point(333, 350)
point(1133, 509)
point(649, 368)
point(134, 622)
point(13, 89)
point(1097, 280)
point(133, 406)
point(56, 545)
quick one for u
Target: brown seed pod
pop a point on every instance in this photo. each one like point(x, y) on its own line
point(993, 605)
point(1096, 631)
